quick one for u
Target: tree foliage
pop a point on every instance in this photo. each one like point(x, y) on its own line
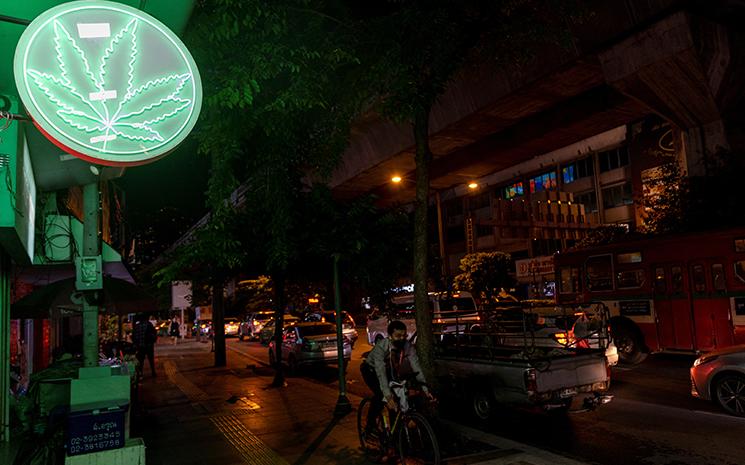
point(416, 48)
point(485, 274)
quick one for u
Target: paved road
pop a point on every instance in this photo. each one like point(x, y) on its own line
point(652, 420)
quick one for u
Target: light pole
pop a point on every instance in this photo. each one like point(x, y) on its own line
point(343, 406)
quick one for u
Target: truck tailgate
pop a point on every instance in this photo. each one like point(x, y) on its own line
point(569, 372)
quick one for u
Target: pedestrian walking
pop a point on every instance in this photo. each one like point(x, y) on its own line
point(144, 337)
point(175, 331)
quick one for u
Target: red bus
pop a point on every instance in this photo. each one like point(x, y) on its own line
point(668, 293)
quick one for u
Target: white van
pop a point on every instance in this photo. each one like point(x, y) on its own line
point(455, 310)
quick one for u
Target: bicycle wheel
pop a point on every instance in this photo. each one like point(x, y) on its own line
point(370, 436)
point(417, 443)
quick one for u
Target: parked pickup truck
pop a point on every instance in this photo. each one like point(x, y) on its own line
point(479, 367)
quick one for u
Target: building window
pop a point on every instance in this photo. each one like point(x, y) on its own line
point(588, 199)
point(483, 230)
point(617, 196)
point(612, 159)
point(543, 182)
point(577, 170)
point(454, 208)
point(515, 190)
point(455, 234)
point(479, 201)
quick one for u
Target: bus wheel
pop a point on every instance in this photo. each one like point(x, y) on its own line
point(629, 345)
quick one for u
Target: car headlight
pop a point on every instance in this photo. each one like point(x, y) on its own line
point(705, 359)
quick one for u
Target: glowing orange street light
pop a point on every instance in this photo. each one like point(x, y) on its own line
point(473, 185)
point(396, 179)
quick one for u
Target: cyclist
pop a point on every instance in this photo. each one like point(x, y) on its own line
point(392, 359)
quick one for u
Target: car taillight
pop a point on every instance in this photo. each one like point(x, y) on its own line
point(530, 381)
point(561, 338)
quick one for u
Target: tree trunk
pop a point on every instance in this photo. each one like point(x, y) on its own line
point(278, 281)
point(423, 157)
point(218, 324)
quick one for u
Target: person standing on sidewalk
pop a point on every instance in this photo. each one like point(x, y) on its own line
point(175, 330)
point(144, 337)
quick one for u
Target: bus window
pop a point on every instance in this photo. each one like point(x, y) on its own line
point(631, 257)
point(569, 280)
point(717, 276)
point(739, 245)
point(630, 279)
point(660, 285)
point(699, 278)
point(677, 275)
point(740, 270)
point(599, 273)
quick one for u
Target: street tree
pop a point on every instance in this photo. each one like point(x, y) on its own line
point(275, 112)
point(485, 274)
point(416, 48)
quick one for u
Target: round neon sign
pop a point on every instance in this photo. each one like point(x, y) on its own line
point(107, 82)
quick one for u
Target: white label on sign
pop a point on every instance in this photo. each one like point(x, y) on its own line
point(93, 30)
point(102, 138)
point(103, 95)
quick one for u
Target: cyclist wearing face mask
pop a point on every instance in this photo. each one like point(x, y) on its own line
point(392, 359)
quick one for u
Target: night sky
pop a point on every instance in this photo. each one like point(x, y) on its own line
point(179, 181)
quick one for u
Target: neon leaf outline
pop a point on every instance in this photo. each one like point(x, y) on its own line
point(107, 124)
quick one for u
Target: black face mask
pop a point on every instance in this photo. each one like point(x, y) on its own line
point(399, 344)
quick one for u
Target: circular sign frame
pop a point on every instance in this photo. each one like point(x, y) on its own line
point(107, 83)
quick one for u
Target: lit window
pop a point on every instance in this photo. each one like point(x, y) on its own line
point(513, 191)
point(543, 182)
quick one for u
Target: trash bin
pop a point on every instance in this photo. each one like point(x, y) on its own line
point(94, 430)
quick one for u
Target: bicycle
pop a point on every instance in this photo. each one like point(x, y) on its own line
point(408, 432)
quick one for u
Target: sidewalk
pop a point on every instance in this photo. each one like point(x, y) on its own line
point(193, 413)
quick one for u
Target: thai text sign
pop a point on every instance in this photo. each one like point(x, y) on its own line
point(107, 82)
point(537, 266)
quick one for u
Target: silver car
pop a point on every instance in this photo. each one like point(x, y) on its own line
point(310, 343)
point(720, 376)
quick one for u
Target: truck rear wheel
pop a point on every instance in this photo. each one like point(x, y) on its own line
point(482, 405)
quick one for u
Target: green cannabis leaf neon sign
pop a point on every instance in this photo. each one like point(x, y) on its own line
point(107, 82)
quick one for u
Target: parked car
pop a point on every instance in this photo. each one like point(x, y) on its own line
point(444, 306)
point(719, 376)
point(309, 343)
point(267, 332)
point(203, 326)
point(231, 326)
point(251, 326)
point(349, 329)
